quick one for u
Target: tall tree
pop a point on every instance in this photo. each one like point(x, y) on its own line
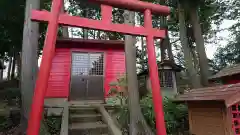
point(198, 34)
point(29, 61)
point(1, 69)
point(13, 65)
point(9, 68)
point(165, 46)
point(193, 76)
point(65, 32)
point(138, 124)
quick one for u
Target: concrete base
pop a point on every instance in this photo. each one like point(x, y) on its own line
point(54, 106)
point(58, 107)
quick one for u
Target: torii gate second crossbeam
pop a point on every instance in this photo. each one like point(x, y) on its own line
point(55, 18)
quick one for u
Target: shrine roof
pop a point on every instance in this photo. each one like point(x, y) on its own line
point(86, 43)
point(229, 94)
point(173, 65)
point(228, 71)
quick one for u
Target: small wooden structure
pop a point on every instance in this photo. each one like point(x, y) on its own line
point(167, 74)
point(83, 69)
point(228, 75)
point(213, 110)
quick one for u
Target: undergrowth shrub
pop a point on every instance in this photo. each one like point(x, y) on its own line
point(11, 96)
point(176, 115)
point(53, 124)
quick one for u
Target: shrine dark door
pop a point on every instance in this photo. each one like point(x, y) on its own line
point(87, 76)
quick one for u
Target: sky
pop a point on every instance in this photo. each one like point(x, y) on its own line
point(211, 48)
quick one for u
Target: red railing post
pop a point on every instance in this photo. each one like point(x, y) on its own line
point(44, 71)
point(153, 71)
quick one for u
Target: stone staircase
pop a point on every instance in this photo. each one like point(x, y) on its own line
point(86, 120)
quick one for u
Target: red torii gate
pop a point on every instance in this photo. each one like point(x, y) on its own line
point(56, 18)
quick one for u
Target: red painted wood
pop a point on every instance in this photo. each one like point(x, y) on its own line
point(114, 63)
point(114, 67)
point(59, 79)
point(235, 110)
point(99, 44)
point(106, 12)
point(44, 71)
point(136, 6)
point(233, 81)
point(75, 21)
point(80, 41)
point(153, 71)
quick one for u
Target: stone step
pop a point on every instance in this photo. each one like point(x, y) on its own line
point(77, 118)
point(81, 110)
point(88, 128)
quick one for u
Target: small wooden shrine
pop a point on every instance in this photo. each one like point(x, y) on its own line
point(83, 69)
point(167, 73)
point(215, 110)
point(228, 75)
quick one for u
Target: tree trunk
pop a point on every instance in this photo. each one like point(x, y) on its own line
point(138, 124)
point(29, 64)
point(85, 31)
point(13, 66)
point(64, 28)
point(9, 68)
point(203, 60)
point(1, 74)
point(94, 34)
point(142, 54)
point(169, 47)
point(166, 47)
point(18, 60)
point(163, 49)
point(193, 77)
point(99, 34)
point(1, 70)
point(195, 59)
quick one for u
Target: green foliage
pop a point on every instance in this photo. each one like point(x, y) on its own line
point(5, 123)
point(53, 124)
point(118, 89)
point(10, 96)
point(9, 122)
point(11, 26)
point(229, 54)
point(176, 115)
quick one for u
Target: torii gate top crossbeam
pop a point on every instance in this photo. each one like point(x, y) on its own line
point(135, 5)
point(105, 24)
point(65, 19)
